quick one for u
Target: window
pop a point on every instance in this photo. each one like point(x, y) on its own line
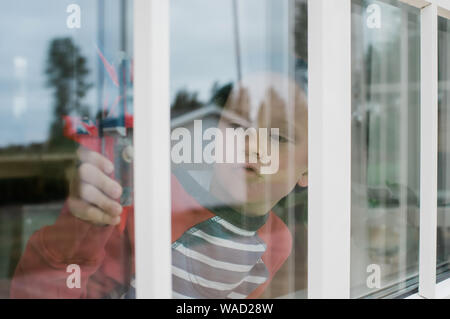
point(239, 227)
point(384, 88)
point(68, 69)
point(385, 146)
point(264, 148)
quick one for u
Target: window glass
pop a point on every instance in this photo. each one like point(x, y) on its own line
point(66, 82)
point(385, 148)
point(239, 148)
point(443, 211)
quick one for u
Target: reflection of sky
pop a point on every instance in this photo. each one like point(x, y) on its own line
point(26, 29)
point(202, 45)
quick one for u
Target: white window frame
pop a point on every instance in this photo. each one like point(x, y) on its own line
point(428, 288)
point(152, 168)
point(428, 151)
point(329, 148)
point(329, 143)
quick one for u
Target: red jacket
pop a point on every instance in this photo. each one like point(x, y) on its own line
point(106, 255)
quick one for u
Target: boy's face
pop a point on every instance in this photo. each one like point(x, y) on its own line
point(264, 101)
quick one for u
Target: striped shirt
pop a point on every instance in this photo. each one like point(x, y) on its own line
point(215, 259)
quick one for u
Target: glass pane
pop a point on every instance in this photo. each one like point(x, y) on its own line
point(239, 148)
point(67, 82)
point(443, 230)
point(385, 147)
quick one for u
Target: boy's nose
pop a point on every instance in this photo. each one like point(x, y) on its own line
point(255, 153)
point(252, 150)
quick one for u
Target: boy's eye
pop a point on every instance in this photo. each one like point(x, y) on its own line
point(280, 139)
point(234, 125)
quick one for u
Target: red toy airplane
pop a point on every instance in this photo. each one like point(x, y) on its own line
point(112, 134)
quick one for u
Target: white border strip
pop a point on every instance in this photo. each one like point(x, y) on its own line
point(329, 201)
point(428, 153)
point(442, 291)
point(444, 4)
point(152, 149)
point(444, 12)
point(416, 3)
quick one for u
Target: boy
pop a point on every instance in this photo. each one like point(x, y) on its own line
point(231, 250)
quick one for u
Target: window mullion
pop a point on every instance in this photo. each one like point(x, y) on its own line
point(428, 152)
point(152, 149)
point(329, 160)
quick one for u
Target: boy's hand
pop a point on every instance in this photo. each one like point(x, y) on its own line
point(93, 194)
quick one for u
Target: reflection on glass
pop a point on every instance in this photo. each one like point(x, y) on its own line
point(385, 147)
point(64, 87)
point(443, 230)
point(239, 148)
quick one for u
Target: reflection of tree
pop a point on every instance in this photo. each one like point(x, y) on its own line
point(220, 94)
point(185, 102)
point(301, 30)
point(34, 148)
point(66, 73)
